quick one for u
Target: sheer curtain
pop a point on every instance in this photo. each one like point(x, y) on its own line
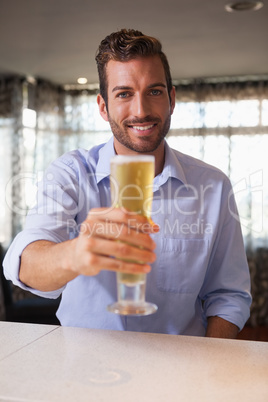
point(55, 121)
point(226, 125)
point(11, 158)
point(65, 120)
point(223, 123)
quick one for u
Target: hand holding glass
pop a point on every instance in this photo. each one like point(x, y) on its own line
point(132, 188)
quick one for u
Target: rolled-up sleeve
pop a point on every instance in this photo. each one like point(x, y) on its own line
point(11, 262)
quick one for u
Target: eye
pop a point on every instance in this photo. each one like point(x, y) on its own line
point(155, 92)
point(123, 95)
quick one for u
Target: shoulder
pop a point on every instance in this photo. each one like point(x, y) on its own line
point(78, 160)
point(197, 169)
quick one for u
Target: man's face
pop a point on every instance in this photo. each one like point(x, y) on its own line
point(139, 107)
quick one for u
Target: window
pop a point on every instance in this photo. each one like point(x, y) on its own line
point(225, 125)
point(233, 136)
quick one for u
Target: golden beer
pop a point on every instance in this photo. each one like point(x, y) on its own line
point(132, 189)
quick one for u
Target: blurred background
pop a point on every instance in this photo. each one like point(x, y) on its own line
point(218, 56)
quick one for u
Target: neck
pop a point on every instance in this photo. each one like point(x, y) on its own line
point(159, 155)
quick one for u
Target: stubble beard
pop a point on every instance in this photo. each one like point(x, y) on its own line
point(146, 144)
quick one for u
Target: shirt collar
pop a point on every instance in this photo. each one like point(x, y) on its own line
point(172, 166)
point(103, 165)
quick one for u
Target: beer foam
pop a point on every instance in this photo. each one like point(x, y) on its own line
point(120, 159)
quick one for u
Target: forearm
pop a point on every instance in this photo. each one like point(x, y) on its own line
point(219, 328)
point(46, 266)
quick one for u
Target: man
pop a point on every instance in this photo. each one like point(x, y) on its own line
point(194, 256)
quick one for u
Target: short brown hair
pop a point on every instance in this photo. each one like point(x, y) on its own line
point(125, 45)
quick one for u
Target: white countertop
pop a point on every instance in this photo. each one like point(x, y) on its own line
point(50, 363)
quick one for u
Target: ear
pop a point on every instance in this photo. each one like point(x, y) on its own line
point(172, 99)
point(102, 107)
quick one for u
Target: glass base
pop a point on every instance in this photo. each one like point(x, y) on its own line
point(125, 308)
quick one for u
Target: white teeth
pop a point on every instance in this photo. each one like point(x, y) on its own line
point(143, 128)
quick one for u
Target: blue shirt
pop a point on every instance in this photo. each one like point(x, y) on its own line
point(201, 268)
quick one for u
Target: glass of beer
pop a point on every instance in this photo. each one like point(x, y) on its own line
point(131, 182)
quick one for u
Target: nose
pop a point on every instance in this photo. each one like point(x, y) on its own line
point(141, 106)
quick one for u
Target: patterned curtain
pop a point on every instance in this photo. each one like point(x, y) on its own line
point(11, 158)
point(223, 123)
point(226, 125)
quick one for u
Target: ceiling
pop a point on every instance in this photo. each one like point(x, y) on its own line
point(57, 39)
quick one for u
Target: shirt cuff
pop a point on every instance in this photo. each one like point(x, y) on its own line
point(12, 258)
point(235, 310)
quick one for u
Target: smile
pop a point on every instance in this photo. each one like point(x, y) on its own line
point(143, 128)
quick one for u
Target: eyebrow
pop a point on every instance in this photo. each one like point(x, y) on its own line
point(124, 87)
point(120, 88)
point(157, 84)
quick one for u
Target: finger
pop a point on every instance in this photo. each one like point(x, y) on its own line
point(117, 231)
point(95, 261)
point(122, 233)
point(121, 215)
point(120, 250)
